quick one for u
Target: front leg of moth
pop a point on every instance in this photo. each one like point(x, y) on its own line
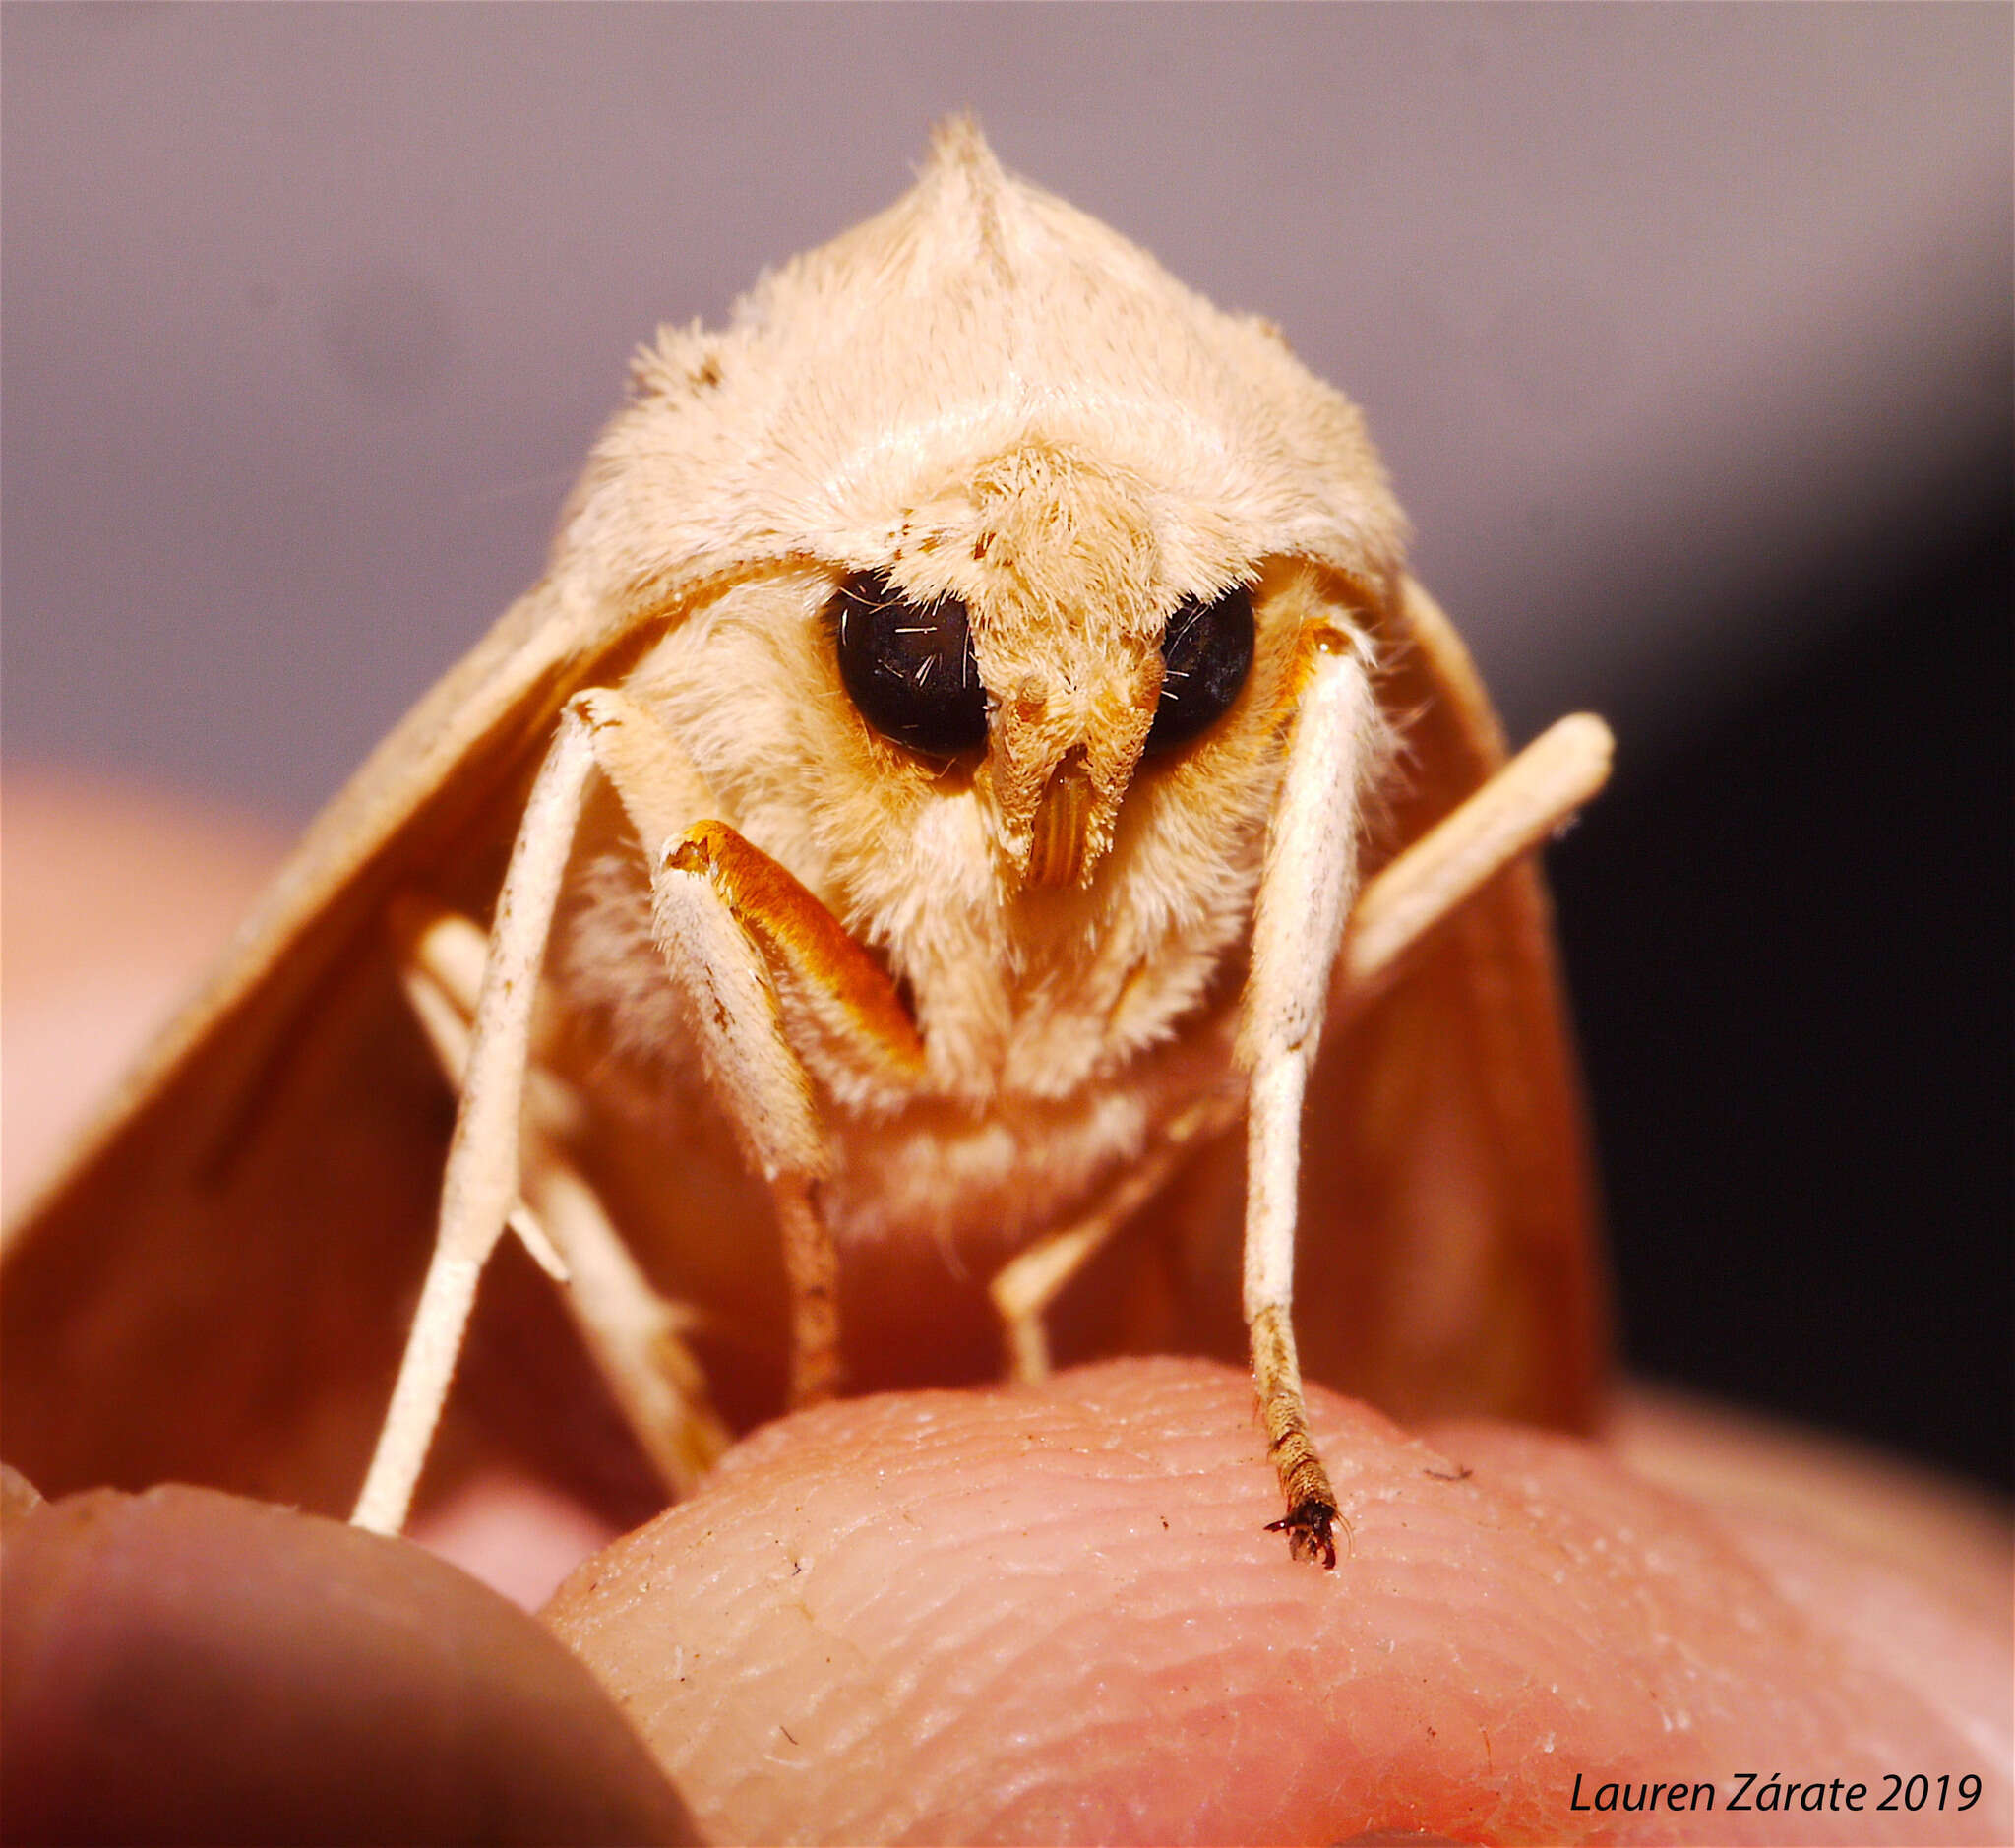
point(717, 906)
point(1305, 896)
point(635, 1336)
point(480, 1190)
point(733, 927)
point(1306, 893)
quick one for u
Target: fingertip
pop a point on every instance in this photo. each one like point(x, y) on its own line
point(186, 1666)
point(1056, 1614)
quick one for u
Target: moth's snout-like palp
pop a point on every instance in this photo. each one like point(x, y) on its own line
point(1067, 629)
point(1062, 838)
point(1063, 750)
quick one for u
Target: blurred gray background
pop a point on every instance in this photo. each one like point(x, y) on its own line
point(310, 312)
point(1685, 330)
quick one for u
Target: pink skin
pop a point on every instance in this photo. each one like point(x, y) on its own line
point(960, 1615)
point(1053, 1614)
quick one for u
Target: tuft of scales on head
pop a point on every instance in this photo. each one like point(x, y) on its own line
point(874, 383)
point(984, 394)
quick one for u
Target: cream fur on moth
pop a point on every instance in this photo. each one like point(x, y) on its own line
point(802, 1049)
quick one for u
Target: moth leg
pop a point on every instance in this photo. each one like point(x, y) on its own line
point(718, 905)
point(480, 1189)
point(1305, 894)
point(1309, 880)
point(734, 927)
point(634, 1334)
point(1517, 809)
point(1024, 1287)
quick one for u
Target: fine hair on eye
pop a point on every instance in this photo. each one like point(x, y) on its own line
point(1206, 652)
point(908, 665)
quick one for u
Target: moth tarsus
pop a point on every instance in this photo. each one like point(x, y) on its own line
point(1310, 1530)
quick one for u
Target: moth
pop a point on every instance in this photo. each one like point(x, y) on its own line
point(975, 850)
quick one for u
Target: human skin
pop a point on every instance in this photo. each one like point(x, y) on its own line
point(960, 1615)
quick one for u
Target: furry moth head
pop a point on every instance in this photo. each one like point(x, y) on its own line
point(1071, 518)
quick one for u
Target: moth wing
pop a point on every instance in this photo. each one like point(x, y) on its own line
point(213, 1286)
point(1448, 1251)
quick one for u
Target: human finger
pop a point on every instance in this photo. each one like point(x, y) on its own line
point(117, 897)
point(184, 1666)
point(1052, 1614)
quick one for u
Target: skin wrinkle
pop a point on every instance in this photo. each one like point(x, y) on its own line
point(1492, 1633)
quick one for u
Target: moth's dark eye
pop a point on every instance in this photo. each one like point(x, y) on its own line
point(1206, 651)
point(908, 667)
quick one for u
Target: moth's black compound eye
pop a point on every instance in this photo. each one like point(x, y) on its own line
point(908, 667)
point(1206, 651)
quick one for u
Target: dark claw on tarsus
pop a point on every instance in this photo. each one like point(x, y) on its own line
point(1307, 1530)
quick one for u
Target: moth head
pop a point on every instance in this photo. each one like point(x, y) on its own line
point(1041, 489)
point(1028, 638)
point(1036, 637)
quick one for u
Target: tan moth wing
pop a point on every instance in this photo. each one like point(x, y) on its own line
point(215, 1287)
